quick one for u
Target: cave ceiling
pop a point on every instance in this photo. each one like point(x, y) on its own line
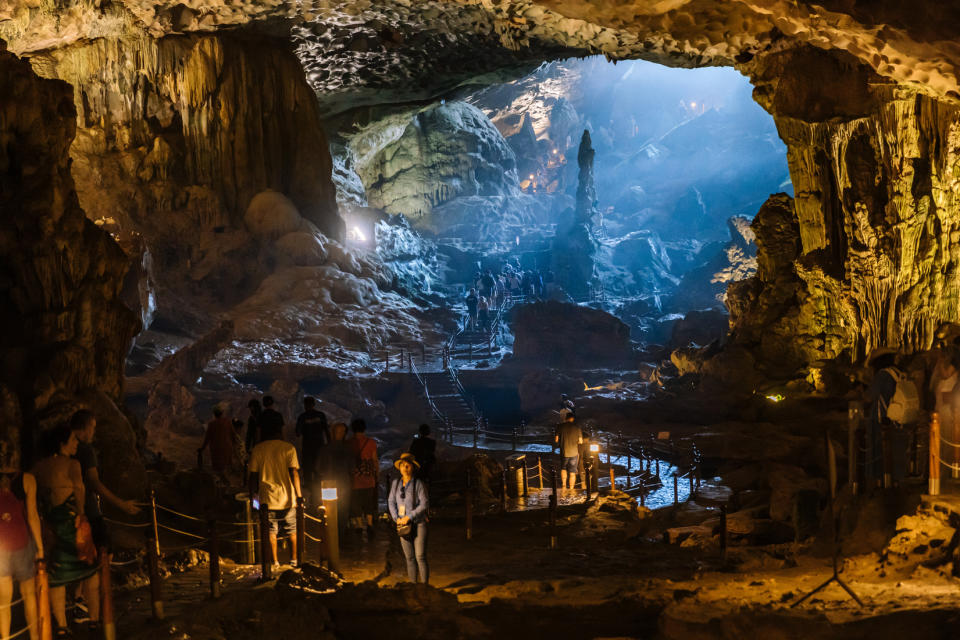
point(411, 50)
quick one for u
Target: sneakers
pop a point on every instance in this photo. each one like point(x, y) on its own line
point(276, 566)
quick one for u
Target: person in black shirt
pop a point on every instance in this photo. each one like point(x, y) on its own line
point(271, 422)
point(312, 428)
point(424, 449)
point(253, 425)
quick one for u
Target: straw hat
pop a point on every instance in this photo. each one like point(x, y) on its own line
point(407, 457)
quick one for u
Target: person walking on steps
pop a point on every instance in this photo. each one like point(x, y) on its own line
point(408, 504)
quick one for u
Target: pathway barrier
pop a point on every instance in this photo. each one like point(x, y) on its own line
point(211, 540)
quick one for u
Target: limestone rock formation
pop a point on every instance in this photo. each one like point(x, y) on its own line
point(175, 138)
point(559, 333)
point(447, 151)
point(586, 189)
point(65, 329)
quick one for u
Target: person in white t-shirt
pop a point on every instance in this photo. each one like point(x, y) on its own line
point(275, 481)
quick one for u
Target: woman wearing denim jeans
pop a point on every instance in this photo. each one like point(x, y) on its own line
point(408, 503)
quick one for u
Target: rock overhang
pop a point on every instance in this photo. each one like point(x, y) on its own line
point(420, 49)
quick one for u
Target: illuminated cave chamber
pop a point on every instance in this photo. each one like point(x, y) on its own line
point(682, 161)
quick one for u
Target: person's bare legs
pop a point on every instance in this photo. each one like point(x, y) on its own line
point(293, 548)
point(29, 595)
point(273, 546)
point(573, 481)
point(6, 595)
point(563, 478)
point(58, 604)
point(91, 593)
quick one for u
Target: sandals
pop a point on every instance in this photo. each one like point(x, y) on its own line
point(63, 632)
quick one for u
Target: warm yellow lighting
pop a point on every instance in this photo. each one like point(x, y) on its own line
point(531, 176)
point(594, 447)
point(328, 493)
point(693, 105)
point(555, 151)
point(776, 398)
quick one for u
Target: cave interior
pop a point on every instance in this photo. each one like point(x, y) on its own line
point(726, 235)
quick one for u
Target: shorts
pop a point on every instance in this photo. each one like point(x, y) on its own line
point(20, 565)
point(571, 464)
point(363, 501)
point(283, 522)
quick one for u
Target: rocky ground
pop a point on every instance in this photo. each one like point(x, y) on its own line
point(611, 576)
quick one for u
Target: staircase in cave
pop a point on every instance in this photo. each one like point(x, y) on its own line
point(449, 400)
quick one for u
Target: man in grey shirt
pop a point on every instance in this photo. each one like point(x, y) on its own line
point(569, 438)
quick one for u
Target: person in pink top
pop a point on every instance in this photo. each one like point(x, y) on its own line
point(21, 542)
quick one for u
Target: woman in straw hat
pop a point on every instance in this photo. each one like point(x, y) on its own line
point(408, 504)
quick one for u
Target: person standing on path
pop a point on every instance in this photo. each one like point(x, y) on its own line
point(275, 480)
point(424, 449)
point(408, 504)
point(314, 433)
point(61, 499)
point(219, 437)
point(84, 425)
point(271, 422)
point(253, 425)
point(21, 540)
point(569, 438)
point(366, 472)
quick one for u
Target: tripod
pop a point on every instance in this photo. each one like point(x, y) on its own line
point(836, 572)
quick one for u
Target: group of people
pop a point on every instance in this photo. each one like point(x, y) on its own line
point(52, 514)
point(489, 290)
point(329, 459)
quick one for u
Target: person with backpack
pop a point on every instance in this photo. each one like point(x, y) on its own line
point(408, 505)
point(894, 404)
point(366, 472)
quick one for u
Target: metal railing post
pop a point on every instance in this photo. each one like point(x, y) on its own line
point(468, 498)
point(214, 551)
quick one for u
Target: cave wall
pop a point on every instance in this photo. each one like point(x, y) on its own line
point(65, 331)
point(175, 137)
point(867, 254)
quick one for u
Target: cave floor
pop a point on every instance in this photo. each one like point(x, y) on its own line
point(607, 578)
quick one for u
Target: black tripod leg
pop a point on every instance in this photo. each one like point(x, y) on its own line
point(849, 590)
point(818, 589)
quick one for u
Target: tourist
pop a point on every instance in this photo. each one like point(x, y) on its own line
point(483, 313)
point(489, 284)
point(339, 469)
point(424, 449)
point(569, 438)
point(239, 450)
point(314, 433)
point(61, 498)
point(566, 407)
point(219, 437)
point(270, 421)
point(514, 285)
point(275, 482)
point(253, 425)
point(501, 289)
point(409, 505)
point(366, 471)
point(21, 540)
point(84, 425)
point(472, 302)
